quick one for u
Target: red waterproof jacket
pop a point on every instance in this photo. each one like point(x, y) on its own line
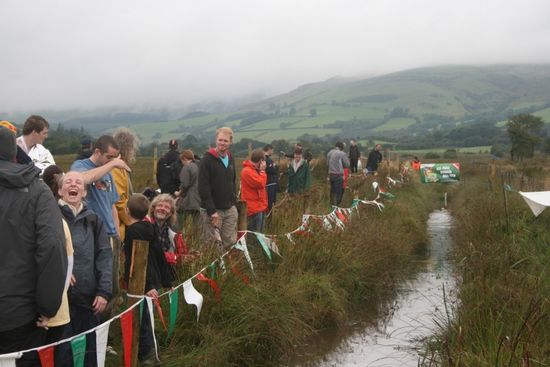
point(253, 190)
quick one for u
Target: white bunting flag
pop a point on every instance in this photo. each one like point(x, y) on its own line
point(241, 245)
point(152, 321)
point(8, 360)
point(101, 334)
point(326, 224)
point(192, 296)
point(289, 236)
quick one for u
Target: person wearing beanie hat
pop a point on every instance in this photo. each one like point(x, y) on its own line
point(168, 169)
point(21, 157)
point(34, 261)
point(337, 160)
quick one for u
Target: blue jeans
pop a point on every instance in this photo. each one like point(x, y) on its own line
point(82, 319)
point(255, 222)
point(336, 189)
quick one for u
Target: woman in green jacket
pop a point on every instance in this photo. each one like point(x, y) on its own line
point(299, 177)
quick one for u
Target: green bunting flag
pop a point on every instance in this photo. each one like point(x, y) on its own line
point(267, 251)
point(78, 345)
point(174, 302)
point(213, 268)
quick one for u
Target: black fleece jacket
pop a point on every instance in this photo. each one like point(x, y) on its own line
point(33, 265)
point(216, 182)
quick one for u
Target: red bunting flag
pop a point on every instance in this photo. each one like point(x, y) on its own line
point(213, 284)
point(46, 357)
point(341, 216)
point(159, 310)
point(126, 320)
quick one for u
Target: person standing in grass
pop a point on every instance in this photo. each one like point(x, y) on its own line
point(253, 193)
point(189, 200)
point(272, 171)
point(354, 155)
point(374, 159)
point(337, 161)
point(217, 189)
point(34, 262)
point(299, 177)
point(158, 271)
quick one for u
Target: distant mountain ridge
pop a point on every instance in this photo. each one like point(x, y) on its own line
point(408, 102)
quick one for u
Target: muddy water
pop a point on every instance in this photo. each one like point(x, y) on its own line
point(397, 339)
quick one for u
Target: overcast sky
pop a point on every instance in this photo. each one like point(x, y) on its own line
point(76, 53)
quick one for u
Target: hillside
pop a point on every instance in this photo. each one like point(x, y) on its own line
point(389, 106)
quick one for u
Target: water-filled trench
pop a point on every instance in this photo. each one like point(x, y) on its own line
point(396, 340)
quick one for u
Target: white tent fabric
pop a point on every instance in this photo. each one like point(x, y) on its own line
point(537, 200)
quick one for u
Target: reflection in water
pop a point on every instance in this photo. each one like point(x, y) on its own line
point(396, 340)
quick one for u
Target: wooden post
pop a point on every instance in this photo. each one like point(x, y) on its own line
point(155, 154)
point(242, 224)
point(136, 285)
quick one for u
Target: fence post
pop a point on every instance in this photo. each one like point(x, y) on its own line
point(242, 224)
point(136, 285)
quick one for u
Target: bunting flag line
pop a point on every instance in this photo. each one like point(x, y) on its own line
point(338, 217)
point(101, 335)
point(192, 296)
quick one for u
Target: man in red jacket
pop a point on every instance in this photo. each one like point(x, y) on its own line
point(253, 181)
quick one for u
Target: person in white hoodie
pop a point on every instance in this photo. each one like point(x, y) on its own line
point(35, 132)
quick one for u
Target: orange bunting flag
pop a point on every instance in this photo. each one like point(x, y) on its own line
point(159, 310)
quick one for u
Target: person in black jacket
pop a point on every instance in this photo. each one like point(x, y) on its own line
point(374, 159)
point(158, 271)
point(217, 191)
point(33, 265)
point(168, 169)
point(354, 155)
point(272, 171)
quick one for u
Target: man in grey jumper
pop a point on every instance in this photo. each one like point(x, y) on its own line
point(337, 160)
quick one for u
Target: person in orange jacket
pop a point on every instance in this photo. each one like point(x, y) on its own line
point(416, 164)
point(253, 182)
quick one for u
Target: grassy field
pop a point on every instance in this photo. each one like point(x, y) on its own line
point(395, 124)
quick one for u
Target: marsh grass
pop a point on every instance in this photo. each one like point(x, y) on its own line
point(502, 314)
